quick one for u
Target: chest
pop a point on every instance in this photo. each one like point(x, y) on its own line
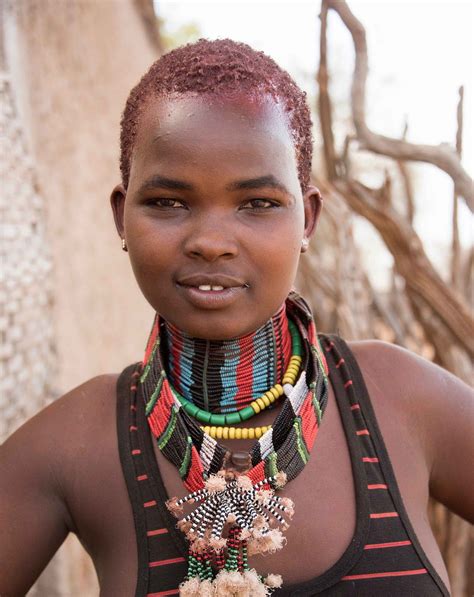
point(324, 528)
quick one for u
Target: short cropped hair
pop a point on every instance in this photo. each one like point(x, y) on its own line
point(214, 67)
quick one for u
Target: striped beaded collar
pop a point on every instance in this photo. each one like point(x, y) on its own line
point(225, 376)
point(196, 455)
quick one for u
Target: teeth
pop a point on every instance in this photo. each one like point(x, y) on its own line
point(208, 287)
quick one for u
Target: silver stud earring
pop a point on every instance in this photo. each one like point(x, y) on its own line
point(304, 244)
point(124, 245)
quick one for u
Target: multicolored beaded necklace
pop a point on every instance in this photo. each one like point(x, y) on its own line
point(243, 412)
point(226, 376)
point(242, 500)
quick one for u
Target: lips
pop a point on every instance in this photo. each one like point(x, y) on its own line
point(211, 282)
point(206, 291)
point(207, 287)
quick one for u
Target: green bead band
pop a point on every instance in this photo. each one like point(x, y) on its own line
point(219, 420)
point(192, 410)
point(201, 415)
point(233, 418)
point(245, 414)
point(296, 344)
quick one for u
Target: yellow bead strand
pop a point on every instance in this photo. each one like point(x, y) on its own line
point(235, 432)
point(274, 393)
point(293, 370)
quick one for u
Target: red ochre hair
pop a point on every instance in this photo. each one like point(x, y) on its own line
point(219, 67)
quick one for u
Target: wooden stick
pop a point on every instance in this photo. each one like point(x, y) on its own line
point(443, 156)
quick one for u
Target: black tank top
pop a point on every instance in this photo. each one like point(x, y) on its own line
point(384, 556)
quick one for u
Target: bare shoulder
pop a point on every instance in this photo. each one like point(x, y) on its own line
point(43, 467)
point(435, 405)
point(44, 447)
point(85, 407)
point(382, 358)
point(77, 410)
point(408, 379)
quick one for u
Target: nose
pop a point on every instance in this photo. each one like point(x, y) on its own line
point(210, 238)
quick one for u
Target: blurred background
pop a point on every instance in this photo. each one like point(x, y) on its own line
point(393, 258)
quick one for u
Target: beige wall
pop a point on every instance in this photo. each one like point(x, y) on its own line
point(79, 61)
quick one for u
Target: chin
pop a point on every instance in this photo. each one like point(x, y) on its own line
point(217, 324)
point(210, 328)
point(212, 332)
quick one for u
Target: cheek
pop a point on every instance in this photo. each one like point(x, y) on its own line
point(150, 260)
point(278, 262)
point(149, 247)
point(280, 246)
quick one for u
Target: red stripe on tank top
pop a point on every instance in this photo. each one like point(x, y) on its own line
point(377, 486)
point(355, 407)
point(348, 383)
point(149, 504)
point(384, 515)
point(369, 459)
point(385, 574)
point(166, 562)
point(133, 428)
point(142, 477)
point(341, 360)
point(163, 593)
point(385, 545)
point(363, 432)
point(156, 532)
point(136, 452)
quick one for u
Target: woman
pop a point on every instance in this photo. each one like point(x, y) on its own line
point(215, 208)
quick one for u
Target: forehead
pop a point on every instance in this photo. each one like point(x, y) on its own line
point(241, 131)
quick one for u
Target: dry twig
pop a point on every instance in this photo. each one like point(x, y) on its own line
point(456, 245)
point(443, 156)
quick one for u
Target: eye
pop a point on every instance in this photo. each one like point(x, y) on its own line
point(260, 204)
point(165, 203)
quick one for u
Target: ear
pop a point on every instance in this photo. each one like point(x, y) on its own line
point(117, 201)
point(313, 204)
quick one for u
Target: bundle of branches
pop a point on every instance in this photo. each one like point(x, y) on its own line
point(423, 311)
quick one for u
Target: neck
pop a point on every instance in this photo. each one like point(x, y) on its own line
point(222, 376)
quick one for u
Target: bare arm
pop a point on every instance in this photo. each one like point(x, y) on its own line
point(33, 516)
point(38, 465)
point(450, 422)
point(441, 409)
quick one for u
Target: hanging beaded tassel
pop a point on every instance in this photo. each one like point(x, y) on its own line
point(219, 566)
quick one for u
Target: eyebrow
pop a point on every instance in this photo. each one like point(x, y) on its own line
point(162, 182)
point(257, 183)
